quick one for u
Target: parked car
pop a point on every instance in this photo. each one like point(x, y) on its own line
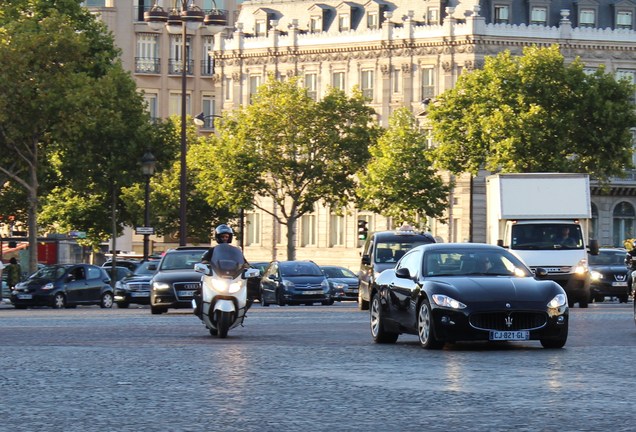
point(294, 282)
point(129, 264)
point(381, 251)
point(609, 274)
point(175, 282)
point(344, 283)
point(64, 285)
point(135, 288)
point(467, 292)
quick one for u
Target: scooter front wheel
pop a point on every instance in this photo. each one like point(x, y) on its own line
point(223, 323)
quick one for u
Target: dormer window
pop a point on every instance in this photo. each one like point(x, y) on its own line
point(502, 14)
point(260, 28)
point(587, 18)
point(315, 24)
point(539, 15)
point(372, 20)
point(624, 19)
point(344, 22)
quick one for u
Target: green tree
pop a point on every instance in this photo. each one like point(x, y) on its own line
point(290, 148)
point(202, 213)
point(399, 180)
point(534, 113)
point(70, 117)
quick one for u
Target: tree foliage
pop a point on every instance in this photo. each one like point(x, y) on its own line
point(71, 121)
point(290, 148)
point(534, 113)
point(399, 180)
point(202, 214)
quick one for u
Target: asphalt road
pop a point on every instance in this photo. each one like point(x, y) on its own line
point(304, 369)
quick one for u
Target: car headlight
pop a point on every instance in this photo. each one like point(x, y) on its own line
point(446, 301)
point(287, 284)
point(558, 301)
point(596, 275)
point(48, 286)
point(339, 285)
point(160, 286)
point(325, 284)
point(581, 267)
point(226, 286)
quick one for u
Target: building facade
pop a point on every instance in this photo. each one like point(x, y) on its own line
point(402, 53)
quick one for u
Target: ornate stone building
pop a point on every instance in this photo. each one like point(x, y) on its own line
point(400, 53)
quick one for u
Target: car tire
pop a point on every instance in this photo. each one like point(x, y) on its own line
point(362, 304)
point(263, 301)
point(106, 301)
point(378, 333)
point(157, 310)
point(426, 327)
point(622, 299)
point(59, 301)
point(19, 306)
point(583, 302)
point(123, 305)
point(280, 299)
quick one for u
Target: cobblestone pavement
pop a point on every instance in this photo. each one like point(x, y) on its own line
point(304, 369)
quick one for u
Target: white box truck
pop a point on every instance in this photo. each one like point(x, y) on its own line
point(543, 218)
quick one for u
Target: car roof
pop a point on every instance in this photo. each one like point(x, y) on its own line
point(397, 235)
point(461, 246)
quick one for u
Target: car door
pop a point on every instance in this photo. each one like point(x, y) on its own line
point(269, 282)
point(403, 290)
point(75, 284)
point(94, 284)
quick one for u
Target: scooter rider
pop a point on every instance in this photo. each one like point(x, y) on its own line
point(222, 234)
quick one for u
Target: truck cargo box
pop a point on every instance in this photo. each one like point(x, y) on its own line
point(538, 196)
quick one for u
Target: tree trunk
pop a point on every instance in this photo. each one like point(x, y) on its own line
point(291, 238)
point(32, 220)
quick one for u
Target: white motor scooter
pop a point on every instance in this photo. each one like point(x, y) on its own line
point(224, 289)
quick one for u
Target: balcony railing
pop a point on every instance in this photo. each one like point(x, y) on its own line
point(146, 65)
point(207, 67)
point(175, 67)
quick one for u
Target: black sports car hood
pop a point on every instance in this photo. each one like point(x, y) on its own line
point(610, 268)
point(486, 288)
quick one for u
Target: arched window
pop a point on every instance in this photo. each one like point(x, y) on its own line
point(623, 222)
point(594, 234)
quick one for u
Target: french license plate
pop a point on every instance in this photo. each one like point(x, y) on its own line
point(312, 292)
point(509, 335)
point(25, 296)
point(619, 284)
point(185, 293)
point(139, 294)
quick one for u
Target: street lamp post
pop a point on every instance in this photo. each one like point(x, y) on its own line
point(184, 15)
point(148, 163)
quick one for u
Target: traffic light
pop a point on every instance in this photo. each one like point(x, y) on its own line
point(363, 230)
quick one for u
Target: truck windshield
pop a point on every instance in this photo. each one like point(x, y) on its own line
point(546, 236)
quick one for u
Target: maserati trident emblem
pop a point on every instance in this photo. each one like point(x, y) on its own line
point(508, 321)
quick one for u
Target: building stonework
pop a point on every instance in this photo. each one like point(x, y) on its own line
point(402, 53)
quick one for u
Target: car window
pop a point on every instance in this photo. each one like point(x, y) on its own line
point(471, 262)
point(392, 251)
point(300, 269)
point(146, 269)
point(94, 273)
point(608, 258)
point(412, 261)
point(181, 260)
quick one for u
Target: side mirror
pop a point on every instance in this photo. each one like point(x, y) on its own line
point(251, 273)
point(594, 247)
point(540, 273)
point(366, 259)
point(403, 273)
point(500, 243)
point(202, 268)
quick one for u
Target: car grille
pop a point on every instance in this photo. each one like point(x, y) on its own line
point(508, 320)
point(138, 286)
point(310, 286)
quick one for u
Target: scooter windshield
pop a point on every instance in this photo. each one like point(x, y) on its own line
point(227, 260)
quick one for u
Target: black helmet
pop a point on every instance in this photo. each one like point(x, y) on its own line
point(223, 229)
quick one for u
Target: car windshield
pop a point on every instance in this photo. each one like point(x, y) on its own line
point(338, 272)
point(300, 269)
point(473, 262)
point(608, 258)
point(146, 268)
point(49, 272)
point(546, 236)
point(391, 252)
point(181, 260)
